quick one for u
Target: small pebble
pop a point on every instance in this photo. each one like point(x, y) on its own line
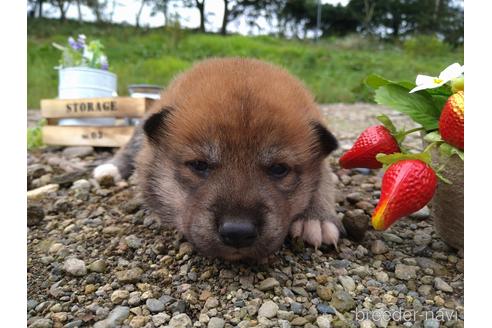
point(133, 242)
point(119, 296)
point(155, 305)
point(75, 267)
point(442, 285)
point(216, 323)
point(324, 292)
point(342, 301)
point(389, 237)
point(115, 317)
point(129, 276)
point(421, 214)
point(40, 192)
point(98, 266)
point(42, 323)
point(378, 247)
point(268, 309)
point(160, 319)
point(347, 283)
point(35, 214)
point(78, 151)
point(268, 284)
point(406, 272)
point(323, 321)
point(325, 309)
point(431, 323)
point(180, 321)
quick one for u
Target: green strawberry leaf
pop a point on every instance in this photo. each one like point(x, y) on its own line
point(444, 90)
point(419, 106)
point(439, 100)
point(375, 81)
point(387, 123)
point(406, 84)
point(393, 158)
point(433, 136)
point(447, 150)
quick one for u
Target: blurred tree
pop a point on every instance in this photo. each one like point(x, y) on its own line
point(399, 18)
point(139, 12)
point(161, 6)
point(63, 6)
point(97, 7)
point(298, 17)
point(35, 7)
point(295, 15)
point(339, 20)
point(225, 17)
point(363, 11)
point(114, 4)
point(200, 5)
point(441, 17)
point(452, 25)
point(78, 2)
point(251, 10)
point(31, 8)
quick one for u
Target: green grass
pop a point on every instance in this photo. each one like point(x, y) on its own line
point(34, 135)
point(334, 69)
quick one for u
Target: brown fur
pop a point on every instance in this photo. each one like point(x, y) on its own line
point(240, 116)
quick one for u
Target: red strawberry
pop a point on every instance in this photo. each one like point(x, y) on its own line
point(407, 186)
point(372, 141)
point(452, 120)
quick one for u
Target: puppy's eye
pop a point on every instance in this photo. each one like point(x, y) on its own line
point(199, 167)
point(278, 170)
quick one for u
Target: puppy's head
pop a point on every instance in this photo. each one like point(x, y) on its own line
point(232, 155)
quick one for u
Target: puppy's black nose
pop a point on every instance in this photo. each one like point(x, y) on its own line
point(238, 234)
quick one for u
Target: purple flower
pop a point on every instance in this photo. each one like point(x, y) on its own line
point(73, 44)
point(104, 62)
point(81, 41)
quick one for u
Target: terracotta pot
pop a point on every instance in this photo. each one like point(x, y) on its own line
point(447, 205)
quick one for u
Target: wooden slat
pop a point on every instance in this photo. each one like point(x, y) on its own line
point(104, 136)
point(95, 107)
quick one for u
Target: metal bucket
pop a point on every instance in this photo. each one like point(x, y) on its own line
point(85, 82)
point(143, 91)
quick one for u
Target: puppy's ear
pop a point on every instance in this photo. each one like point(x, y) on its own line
point(155, 125)
point(326, 141)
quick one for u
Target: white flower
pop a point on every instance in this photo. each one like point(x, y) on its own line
point(430, 82)
point(88, 54)
point(82, 38)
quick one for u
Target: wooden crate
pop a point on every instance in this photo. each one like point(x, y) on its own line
point(98, 136)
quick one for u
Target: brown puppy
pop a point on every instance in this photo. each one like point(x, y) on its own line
point(233, 155)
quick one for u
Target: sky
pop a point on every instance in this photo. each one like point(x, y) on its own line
point(125, 11)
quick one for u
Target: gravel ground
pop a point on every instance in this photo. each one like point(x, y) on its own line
point(96, 258)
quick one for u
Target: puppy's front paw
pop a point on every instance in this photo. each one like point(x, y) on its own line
point(316, 232)
point(107, 170)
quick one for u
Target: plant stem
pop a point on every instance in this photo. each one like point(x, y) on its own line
point(413, 130)
point(443, 165)
point(429, 147)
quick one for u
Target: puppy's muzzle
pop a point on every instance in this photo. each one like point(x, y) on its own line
point(238, 234)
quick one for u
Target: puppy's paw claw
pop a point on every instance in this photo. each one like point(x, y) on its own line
point(312, 233)
point(296, 229)
point(107, 170)
point(316, 232)
point(330, 233)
